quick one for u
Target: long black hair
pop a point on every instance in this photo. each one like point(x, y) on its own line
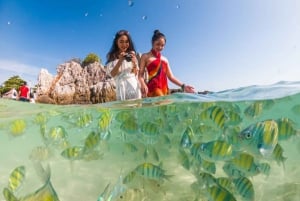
point(113, 52)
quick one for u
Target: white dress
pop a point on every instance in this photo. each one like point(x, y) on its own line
point(127, 83)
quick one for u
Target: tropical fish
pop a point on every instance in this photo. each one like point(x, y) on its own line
point(254, 110)
point(149, 128)
point(57, 134)
point(184, 159)
point(16, 178)
point(104, 119)
point(123, 115)
point(151, 171)
point(17, 127)
point(40, 118)
point(226, 183)
point(260, 137)
point(233, 118)
point(83, 119)
point(217, 114)
point(91, 141)
point(218, 193)
point(44, 193)
point(130, 126)
point(8, 195)
point(208, 166)
point(217, 150)
point(73, 153)
point(186, 138)
point(245, 163)
point(277, 155)
point(129, 177)
point(245, 188)
point(232, 171)
point(286, 129)
point(205, 180)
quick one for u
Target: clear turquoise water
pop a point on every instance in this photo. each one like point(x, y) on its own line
point(41, 133)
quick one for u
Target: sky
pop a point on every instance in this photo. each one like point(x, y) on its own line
point(212, 45)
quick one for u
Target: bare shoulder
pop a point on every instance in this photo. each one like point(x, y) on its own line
point(164, 59)
point(145, 55)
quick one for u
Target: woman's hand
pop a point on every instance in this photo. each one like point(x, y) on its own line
point(189, 89)
point(144, 90)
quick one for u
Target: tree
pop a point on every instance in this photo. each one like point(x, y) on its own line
point(13, 82)
point(91, 58)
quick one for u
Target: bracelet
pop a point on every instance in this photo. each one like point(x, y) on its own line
point(182, 87)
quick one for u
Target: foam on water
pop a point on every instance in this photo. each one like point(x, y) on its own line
point(85, 177)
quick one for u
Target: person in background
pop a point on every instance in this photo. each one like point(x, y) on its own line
point(24, 92)
point(14, 94)
point(158, 69)
point(122, 65)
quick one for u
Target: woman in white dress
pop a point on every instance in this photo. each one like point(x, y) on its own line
point(122, 65)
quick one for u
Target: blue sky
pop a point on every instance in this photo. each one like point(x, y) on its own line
point(211, 44)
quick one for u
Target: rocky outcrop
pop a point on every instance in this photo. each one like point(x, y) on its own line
point(74, 84)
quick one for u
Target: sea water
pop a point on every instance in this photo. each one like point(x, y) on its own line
point(90, 147)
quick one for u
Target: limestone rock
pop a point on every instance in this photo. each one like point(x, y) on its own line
point(74, 84)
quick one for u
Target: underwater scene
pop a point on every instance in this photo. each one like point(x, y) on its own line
point(240, 144)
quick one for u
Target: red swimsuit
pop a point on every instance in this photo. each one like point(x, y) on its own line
point(158, 82)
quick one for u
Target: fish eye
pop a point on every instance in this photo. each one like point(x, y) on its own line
point(248, 134)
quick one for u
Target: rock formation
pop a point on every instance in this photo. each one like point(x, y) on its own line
point(74, 84)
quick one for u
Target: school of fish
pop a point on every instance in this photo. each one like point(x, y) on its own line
point(221, 146)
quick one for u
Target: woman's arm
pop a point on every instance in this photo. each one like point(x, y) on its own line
point(144, 88)
point(173, 79)
point(116, 69)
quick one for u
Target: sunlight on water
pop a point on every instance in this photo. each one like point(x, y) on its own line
point(178, 147)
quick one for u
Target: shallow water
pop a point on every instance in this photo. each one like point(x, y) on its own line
point(130, 134)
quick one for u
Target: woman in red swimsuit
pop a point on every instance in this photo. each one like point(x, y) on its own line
point(158, 70)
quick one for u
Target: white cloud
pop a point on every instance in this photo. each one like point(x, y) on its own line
point(9, 68)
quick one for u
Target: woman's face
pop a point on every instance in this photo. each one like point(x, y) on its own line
point(123, 43)
point(159, 44)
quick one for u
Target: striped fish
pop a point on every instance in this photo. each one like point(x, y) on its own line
point(186, 138)
point(129, 126)
point(17, 127)
point(91, 141)
point(150, 128)
point(104, 119)
point(8, 195)
point(217, 114)
point(16, 178)
point(286, 129)
point(245, 188)
point(73, 153)
point(245, 163)
point(217, 150)
point(254, 110)
point(151, 171)
point(218, 193)
point(226, 183)
point(277, 155)
point(184, 159)
point(260, 138)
